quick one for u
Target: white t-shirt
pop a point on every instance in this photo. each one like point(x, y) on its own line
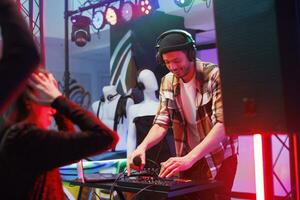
point(188, 98)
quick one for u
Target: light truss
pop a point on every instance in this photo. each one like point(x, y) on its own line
point(33, 11)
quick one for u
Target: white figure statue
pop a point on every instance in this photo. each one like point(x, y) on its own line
point(148, 107)
point(106, 111)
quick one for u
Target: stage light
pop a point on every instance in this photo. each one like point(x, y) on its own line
point(98, 20)
point(183, 3)
point(80, 30)
point(111, 15)
point(127, 11)
point(145, 6)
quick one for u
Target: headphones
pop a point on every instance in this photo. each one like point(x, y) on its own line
point(111, 96)
point(139, 84)
point(189, 46)
point(108, 98)
point(102, 99)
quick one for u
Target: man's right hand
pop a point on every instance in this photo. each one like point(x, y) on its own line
point(131, 164)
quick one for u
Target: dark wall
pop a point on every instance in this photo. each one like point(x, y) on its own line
point(258, 50)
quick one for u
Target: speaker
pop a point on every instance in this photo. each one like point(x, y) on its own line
point(258, 51)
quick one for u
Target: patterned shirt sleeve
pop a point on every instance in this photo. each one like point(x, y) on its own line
point(217, 105)
point(165, 97)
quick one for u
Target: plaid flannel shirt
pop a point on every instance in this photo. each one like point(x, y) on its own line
point(209, 112)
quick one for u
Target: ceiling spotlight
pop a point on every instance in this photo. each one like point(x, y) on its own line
point(145, 6)
point(127, 11)
point(111, 15)
point(98, 20)
point(80, 30)
point(183, 3)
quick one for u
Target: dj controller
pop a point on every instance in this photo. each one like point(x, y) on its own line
point(149, 179)
point(155, 183)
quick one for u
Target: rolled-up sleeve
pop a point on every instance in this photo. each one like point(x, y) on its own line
point(217, 105)
point(165, 96)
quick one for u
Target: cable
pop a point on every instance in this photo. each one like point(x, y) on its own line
point(137, 161)
point(153, 162)
point(139, 192)
point(114, 183)
point(158, 153)
point(95, 194)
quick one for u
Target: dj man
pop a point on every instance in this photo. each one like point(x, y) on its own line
point(191, 103)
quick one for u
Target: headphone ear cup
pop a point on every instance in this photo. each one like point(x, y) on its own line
point(102, 99)
point(109, 97)
point(159, 59)
point(191, 54)
point(140, 85)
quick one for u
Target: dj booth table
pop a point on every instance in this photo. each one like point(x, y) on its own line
point(210, 187)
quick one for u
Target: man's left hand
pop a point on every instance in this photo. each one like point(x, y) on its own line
point(174, 165)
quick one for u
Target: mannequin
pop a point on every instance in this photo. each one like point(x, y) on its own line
point(141, 115)
point(105, 109)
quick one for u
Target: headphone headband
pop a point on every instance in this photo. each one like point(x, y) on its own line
point(187, 44)
point(189, 40)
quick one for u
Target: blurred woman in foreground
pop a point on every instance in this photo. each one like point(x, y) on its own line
point(30, 153)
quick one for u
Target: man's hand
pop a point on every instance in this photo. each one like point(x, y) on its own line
point(130, 163)
point(174, 165)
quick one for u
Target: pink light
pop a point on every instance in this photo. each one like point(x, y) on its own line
point(296, 149)
point(258, 162)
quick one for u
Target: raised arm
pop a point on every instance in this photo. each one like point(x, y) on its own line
point(19, 53)
point(56, 148)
